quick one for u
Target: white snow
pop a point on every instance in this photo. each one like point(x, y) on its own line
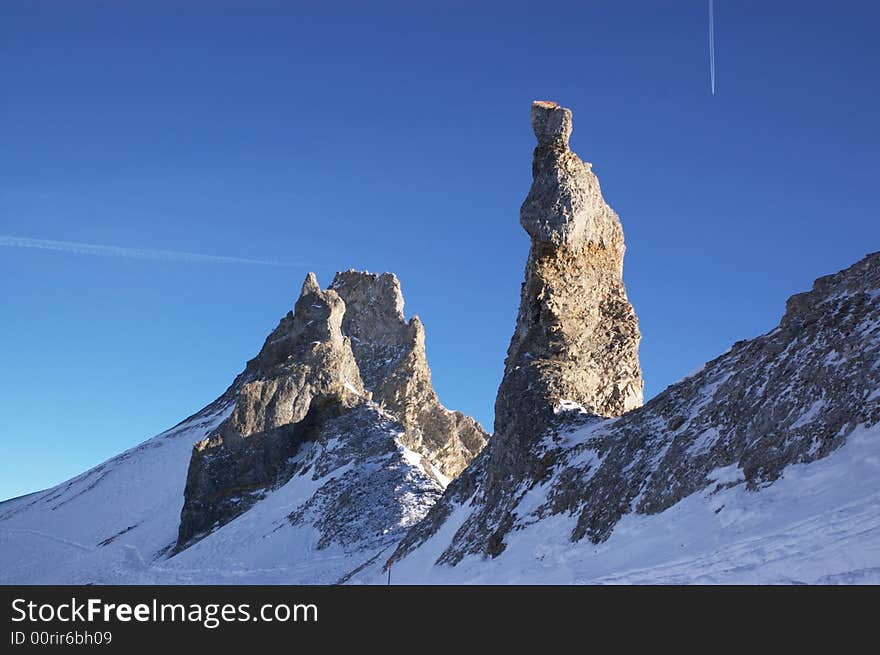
point(438, 475)
point(726, 474)
point(568, 406)
point(833, 359)
point(819, 523)
point(809, 415)
point(411, 457)
point(704, 441)
point(133, 500)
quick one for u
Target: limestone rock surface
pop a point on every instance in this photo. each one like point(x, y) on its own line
point(342, 348)
point(575, 342)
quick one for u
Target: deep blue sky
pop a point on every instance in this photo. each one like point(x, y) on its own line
point(394, 136)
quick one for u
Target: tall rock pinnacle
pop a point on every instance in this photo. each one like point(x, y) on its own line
point(576, 336)
point(575, 343)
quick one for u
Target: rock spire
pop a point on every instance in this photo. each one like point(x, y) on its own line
point(576, 337)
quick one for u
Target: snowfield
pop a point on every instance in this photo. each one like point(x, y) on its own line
point(819, 523)
point(117, 523)
point(108, 524)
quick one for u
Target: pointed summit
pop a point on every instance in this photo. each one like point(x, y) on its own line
point(344, 354)
point(310, 285)
point(390, 353)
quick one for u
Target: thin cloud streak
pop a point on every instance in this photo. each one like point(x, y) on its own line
point(712, 44)
point(75, 248)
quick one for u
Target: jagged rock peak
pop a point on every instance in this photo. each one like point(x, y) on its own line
point(310, 285)
point(373, 320)
point(391, 356)
point(344, 347)
point(382, 290)
point(565, 206)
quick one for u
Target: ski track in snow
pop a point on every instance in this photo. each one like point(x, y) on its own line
point(37, 533)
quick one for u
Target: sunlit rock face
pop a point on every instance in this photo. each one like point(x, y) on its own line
point(575, 343)
point(344, 348)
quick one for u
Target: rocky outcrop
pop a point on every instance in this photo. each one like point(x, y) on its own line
point(576, 338)
point(384, 489)
point(304, 372)
point(391, 356)
point(792, 396)
point(340, 349)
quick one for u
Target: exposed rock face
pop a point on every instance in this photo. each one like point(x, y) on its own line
point(305, 369)
point(791, 396)
point(577, 335)
point(342, 348)
point(391, 355)
point(305, 357)
point(384, 491)
point(576, 338)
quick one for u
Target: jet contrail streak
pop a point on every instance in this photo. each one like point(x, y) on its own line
point(712, 44)
point(129, 253)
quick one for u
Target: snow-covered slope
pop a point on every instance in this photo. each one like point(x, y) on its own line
point(818, 524)
point(763, 467)
point(122, 514)
point(760, 467)
point(355, 490)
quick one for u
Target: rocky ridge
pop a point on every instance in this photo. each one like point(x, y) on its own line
point(792, 396)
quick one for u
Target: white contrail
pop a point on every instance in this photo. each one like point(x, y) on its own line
point(712, 44)
point(130, 253)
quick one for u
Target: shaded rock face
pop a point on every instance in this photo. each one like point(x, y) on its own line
point(576, 337)
point(383, 492)
point(342, 348)
point(791, 396)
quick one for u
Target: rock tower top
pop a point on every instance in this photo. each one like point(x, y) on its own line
point(551, 123)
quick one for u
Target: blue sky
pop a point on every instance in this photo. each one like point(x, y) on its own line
point(395, 136)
